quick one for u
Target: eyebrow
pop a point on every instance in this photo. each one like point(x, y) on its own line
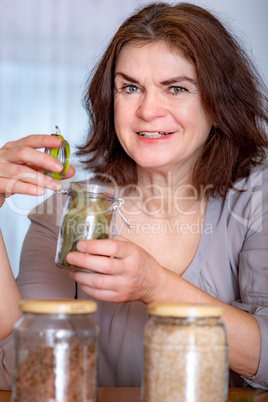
point(170, 81)
point(180, 78)
point(127, 77)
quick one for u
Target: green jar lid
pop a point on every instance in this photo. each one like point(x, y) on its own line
point(62, 154)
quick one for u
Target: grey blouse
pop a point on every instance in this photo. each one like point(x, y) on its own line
point(231, 264)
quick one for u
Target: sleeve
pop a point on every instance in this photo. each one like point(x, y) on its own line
point(38, 277)
point(6, 363)
point(253, 269)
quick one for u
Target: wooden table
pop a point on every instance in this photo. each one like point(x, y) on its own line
point(133, 395)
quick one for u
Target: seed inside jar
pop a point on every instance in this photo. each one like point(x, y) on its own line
point(185, 362)
point(64, 372)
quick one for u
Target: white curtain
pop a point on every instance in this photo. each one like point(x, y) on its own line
point(48, 47)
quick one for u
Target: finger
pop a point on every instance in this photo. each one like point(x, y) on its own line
point(106, 247)
point(98, 294)
point(23, 172)
point(36, 141)
point(95, 281)
point(104, 287)
point(95, 263)
point(70, 173)
point(34, 186)
point(30, 157)
point(19, 187)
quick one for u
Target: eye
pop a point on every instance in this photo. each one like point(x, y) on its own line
point(130, 89)
point(177, 90)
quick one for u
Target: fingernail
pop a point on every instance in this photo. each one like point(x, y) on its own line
point(57, 185)
point(41, 191)
point(54, 185)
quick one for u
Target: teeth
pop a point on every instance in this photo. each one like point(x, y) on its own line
point(155, 134)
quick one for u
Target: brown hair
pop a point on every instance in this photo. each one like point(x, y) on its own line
point(230, 88)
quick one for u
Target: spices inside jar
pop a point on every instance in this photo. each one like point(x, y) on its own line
point(56, 352)
point(88, 214)
point(185, 354)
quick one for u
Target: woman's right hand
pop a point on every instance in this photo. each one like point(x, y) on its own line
point(22, 166)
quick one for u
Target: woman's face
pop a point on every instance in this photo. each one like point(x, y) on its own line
point(159, 119)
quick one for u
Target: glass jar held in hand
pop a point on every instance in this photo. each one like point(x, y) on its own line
point(88, 214)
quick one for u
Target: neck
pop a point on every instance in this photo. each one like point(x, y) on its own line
point(165, 194)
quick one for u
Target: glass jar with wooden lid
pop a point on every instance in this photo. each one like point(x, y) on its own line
point(185, 354)
point(56, 351)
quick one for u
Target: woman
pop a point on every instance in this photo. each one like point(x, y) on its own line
point(178, 122)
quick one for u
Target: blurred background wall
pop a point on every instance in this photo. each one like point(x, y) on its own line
point(47, 49)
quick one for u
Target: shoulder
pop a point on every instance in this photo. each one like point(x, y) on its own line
point(258, 176)
point(257, 181)
point(247, 203)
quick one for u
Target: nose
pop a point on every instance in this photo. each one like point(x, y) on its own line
point(151, 107)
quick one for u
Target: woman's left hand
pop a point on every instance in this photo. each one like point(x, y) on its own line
point(132, 274)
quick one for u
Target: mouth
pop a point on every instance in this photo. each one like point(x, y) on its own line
point(153, 134)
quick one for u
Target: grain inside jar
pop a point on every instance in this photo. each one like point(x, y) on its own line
point(56, 352)
point(185, 354)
